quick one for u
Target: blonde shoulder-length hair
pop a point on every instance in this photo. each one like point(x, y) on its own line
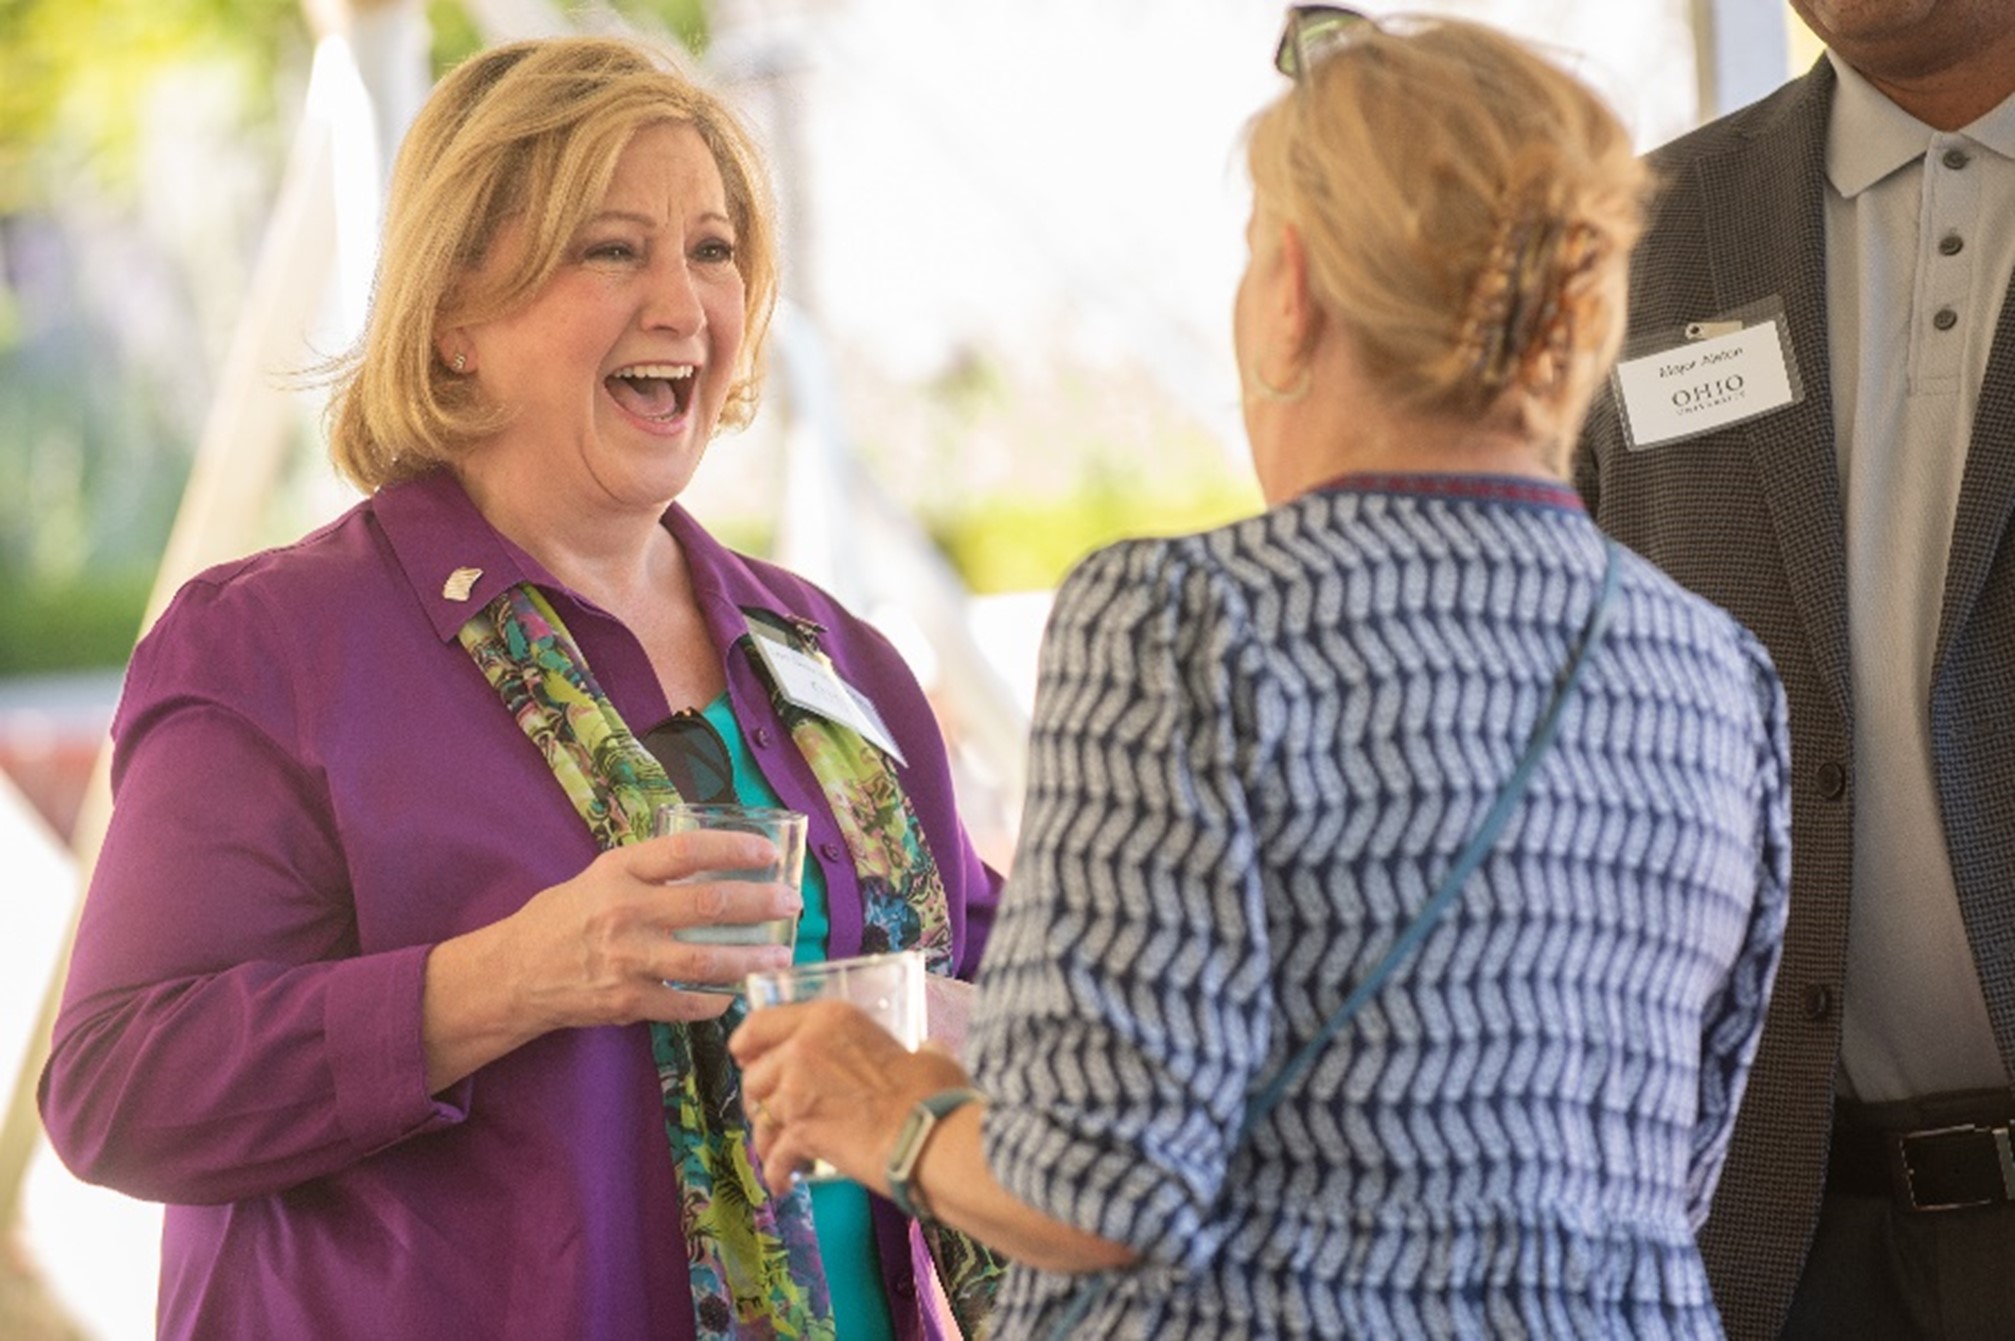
point(527, 134)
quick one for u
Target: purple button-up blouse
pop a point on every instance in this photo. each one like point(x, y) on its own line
point(314, 784)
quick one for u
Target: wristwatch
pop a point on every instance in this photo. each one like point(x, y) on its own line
point(909, 1147)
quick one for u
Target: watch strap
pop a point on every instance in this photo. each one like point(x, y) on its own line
point(916, 1132)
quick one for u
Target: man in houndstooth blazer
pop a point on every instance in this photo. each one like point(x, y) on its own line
point(1818, 1227)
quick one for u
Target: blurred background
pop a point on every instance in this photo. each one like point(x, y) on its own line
point(1012, 234)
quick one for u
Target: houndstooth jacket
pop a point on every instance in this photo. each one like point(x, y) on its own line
point(1750, 516)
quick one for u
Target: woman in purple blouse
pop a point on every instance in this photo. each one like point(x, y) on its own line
point(371, 981)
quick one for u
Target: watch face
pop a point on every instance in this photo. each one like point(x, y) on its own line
point(909, 1142)
point(903, 1159)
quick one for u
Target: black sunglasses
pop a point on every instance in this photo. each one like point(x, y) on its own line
point(1312, 31)
point(694, 757)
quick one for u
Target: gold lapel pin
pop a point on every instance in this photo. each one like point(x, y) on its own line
point(459, 583)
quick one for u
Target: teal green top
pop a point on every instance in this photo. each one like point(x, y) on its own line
point(839, 1208)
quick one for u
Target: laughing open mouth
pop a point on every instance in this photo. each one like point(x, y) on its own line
point(659, 391)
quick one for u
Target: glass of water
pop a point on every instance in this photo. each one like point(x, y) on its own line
point(786, 831)
point(890, 988)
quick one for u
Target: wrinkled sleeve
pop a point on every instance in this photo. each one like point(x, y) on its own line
point(1123, 1000)
point(1732, 1024)
point(220, 1037)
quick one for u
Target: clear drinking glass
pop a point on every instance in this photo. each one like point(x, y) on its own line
point(890, 988)
point(786, 831)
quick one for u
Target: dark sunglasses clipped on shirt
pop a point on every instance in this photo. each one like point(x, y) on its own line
point(694, 757)
point(1313, 31)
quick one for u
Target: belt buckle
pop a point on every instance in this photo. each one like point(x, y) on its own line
point(1902, 1171)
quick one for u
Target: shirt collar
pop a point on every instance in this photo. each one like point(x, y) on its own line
point(455, 560)
point(439, 538)
point(1995, 130)
point(1868, 136)
point(1484, 488)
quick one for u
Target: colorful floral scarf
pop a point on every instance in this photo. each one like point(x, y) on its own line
point(753, 1257)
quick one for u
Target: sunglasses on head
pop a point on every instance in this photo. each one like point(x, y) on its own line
point(1312, 32)
point(694, 757)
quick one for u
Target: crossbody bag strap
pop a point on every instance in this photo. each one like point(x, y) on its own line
point(1466, 862)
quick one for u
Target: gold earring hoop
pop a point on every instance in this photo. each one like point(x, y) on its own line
point(1286, 395)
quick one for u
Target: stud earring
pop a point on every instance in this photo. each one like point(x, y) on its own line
point(461, 362)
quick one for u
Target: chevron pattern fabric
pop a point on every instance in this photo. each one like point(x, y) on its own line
point(1255, 752)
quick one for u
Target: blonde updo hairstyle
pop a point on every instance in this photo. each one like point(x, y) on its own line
point(527, 135)
point(1467, 210)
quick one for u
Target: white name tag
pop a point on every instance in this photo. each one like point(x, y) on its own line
point(813, 685)
point(1699, 387)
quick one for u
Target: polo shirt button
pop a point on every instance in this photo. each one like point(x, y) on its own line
point(1951, 245)
point(1818, 1001)
point(1956, 159)
point(1832, 779)
point(762, 737)
point(831, 851)
point(1945, 319)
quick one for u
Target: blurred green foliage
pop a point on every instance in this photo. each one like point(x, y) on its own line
point(74, 79)
point(1073, 459)
point(78, 75)
point(87, 622)
point(96, 430)
point(455, 34)
point(1026, 543)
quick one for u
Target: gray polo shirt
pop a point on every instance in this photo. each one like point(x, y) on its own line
point(1920, 243)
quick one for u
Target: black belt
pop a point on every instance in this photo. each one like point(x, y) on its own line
point(1928, 1169)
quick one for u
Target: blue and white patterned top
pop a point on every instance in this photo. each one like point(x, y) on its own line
point(1255, 752)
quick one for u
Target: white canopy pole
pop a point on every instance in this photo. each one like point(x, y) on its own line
point(1742, 50)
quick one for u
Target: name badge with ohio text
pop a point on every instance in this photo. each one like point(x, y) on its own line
point(811, 683)
point(1708, 375)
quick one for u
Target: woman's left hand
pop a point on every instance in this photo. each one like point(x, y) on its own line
point(824, 1081)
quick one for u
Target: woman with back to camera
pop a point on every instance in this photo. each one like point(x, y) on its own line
point(372, 980)
point(1267, 757)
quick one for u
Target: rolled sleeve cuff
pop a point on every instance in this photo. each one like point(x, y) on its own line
point(377, 1057)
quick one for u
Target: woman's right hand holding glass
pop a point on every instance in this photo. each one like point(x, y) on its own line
point(599, 949)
